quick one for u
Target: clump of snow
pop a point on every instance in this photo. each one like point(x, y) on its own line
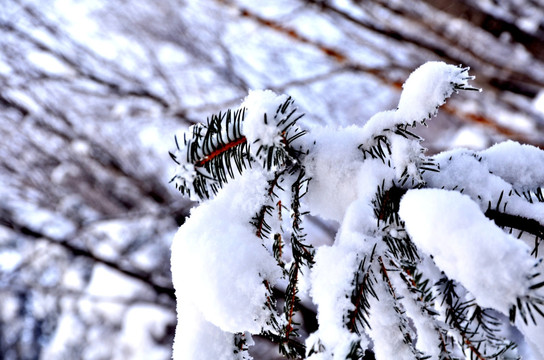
point(339, 173)
point(185, 172)
point(377, 123)
point(197, 338)
point(498, 173)
point(520, 165)
point(427, 88)
point(331, 284)
point(462, 170)
point(451, 227)
point(405, 155)
point(333, 165)
point(260, 125)
point(219, 264)
point(389, 342)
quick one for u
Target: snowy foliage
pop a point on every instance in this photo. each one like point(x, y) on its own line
point(91, 93)
point(433, 256)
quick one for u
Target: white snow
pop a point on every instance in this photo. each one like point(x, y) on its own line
point(106, 292)
point(185, 171)
point(451, 227)
point(384, 330)
point(331, 279)
point(427, 88)
point(49, 63)
point(69, 331)
point(258, 103)
point(334, 164)
point(460, 169)
point(520, 165)
point(219, 264)
point(404, 155)
point(197, 338)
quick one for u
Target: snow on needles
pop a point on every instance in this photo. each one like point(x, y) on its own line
point(425, 90)
point(219, 264)
point(451, 227)
point(428, 87)
point(260, 127)
point(357, 175)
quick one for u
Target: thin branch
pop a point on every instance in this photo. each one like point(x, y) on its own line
point(515, 221)
point(220, 150)
point(10, 223)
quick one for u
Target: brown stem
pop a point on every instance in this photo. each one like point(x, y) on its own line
point(220, 151)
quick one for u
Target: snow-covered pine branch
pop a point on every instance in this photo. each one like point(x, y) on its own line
point(434, 256)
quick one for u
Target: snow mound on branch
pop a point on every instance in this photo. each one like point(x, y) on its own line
point(333, 165)
point(428, 87)
point(259, 125)
point(527, 161)
point(331, 282)
point(451, 227)
point(425, 90)
point(199, 339)
point(219, 264)
point(463, 169)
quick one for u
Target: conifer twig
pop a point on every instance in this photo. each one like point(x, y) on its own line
point(220, 150)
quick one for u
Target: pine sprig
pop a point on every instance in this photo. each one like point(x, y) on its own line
point(402, 319)
point(280, 332)
point(462, 84)
point(386, 205)
point(401, 248)
point(213, 153)
point(277, 250)
point(419, 285)
point(262, 227)
point(380, 148)
point(291, 303)
point(424, 298)
point(530, 305)
point(363, 289)
point(302, 253)
point(536, 195)
point(285, 330)
point(285, 119)
point(523, 224)
point(478, 328)
point(302, 256)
